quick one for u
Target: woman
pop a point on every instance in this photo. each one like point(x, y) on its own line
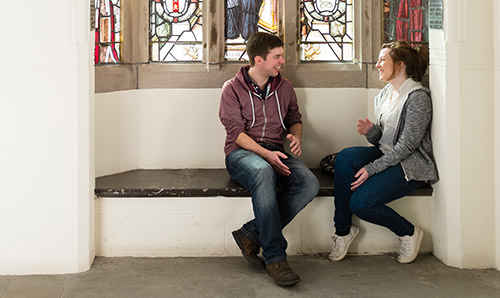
point(401, 160)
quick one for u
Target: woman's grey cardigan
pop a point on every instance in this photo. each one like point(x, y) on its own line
point(412, 141)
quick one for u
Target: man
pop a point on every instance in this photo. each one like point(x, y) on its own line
point(257, 106)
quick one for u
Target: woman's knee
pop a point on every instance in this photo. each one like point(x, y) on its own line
point(355, 157)
point(345, 159)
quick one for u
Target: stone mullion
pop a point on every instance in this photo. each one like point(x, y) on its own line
point(288, 30)
point(135, 31)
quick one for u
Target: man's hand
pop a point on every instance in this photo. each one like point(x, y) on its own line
point(273, 158)
point(295, 144)
point(364, 126)
point(361, 176)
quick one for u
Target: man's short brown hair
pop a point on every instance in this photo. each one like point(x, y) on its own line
point(260, 44)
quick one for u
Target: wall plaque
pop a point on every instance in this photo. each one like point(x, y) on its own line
point(436, 14)
point(92, 15)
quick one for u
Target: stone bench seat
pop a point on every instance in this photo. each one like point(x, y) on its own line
point(191, 183)
point(191, 212)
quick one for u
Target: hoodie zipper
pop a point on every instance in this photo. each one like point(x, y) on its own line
point(265, 120)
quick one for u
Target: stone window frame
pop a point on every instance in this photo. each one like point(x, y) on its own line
point(135, 71)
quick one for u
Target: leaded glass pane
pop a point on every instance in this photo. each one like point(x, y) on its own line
point(326, 30)
point(176, 33)
point(107, 31)
point(244, 17)
point(406, 20)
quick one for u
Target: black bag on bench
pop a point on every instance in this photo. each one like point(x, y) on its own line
point(327, 164)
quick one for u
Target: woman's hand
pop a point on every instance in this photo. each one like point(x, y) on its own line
point(361, 176)
point(364, 126)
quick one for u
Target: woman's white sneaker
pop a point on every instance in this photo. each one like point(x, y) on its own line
point(410, 245)
point(341, 244)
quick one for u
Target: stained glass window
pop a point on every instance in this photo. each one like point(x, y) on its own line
point(407, 20)
point(176, 33)
point(326, 30)
point(107, 31)
point(244, 17)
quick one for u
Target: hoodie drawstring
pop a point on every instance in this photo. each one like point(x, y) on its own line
point(279, 110)
point(253, 109)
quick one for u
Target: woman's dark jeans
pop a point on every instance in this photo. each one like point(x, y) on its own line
point(368, 202)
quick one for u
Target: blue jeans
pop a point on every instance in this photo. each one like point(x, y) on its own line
point(368, 201)
point(276, 199)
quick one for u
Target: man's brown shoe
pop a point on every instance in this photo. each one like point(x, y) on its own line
point(249, 249)
point(282, 274)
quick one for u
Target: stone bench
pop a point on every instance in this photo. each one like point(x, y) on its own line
point(192, 183)
point(191, 212)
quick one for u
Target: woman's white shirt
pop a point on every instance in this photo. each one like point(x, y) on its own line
point(388, 110)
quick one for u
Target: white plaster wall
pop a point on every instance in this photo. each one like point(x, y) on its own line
point(477, 188)
point(171, 227)
point(476, 135)
point(180, 128)
point(115, 132)
point(496, 10)
point(446, 229)
point(462, 88)
point(45, 123)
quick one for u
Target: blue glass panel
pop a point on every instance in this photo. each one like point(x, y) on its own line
point(244, 17)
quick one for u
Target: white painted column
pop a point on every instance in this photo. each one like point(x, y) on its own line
point(46, 123)
point(496, 12)
point(461, 76)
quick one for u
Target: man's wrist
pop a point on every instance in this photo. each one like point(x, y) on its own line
point(263, 152)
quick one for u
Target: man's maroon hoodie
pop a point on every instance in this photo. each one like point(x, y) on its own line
point(262, 119)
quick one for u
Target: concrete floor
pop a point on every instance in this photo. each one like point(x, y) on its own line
point(356, 276)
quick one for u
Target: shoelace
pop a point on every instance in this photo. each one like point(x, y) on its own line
point(336, 239)
point(405, 247)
